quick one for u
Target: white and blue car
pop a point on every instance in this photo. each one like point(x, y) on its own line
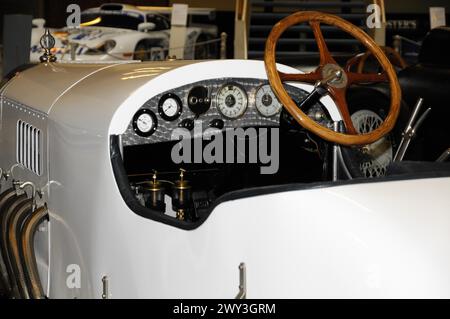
point(123, 32)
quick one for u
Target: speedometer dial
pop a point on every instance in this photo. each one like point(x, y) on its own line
point(266, 102)
point(232, 101)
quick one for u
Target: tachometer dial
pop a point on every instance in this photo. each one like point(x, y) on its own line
point(170, 107)
point(232, 101)
point(266, 102)
point(145, 122)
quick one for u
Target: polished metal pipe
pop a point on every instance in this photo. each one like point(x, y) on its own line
point(35, 290)
point(9, 203)
point(17, 219)
point(444, 156)
point(411, 130)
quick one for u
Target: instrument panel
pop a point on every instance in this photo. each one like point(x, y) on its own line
point(219, 103)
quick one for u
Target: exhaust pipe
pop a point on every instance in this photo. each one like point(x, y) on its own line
point(9, 201)
point(18, 224)
point(20, 202)
point(17, 219)
point(35, 290)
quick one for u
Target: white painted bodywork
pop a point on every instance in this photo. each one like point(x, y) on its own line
point(380, 239)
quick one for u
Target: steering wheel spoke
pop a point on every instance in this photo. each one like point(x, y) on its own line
point(325, 55)
point(312, 77)
point(353, 61)
point(339, 96)
point(356, 78)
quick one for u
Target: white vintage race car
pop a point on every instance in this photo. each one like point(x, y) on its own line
point(116, 184)
point(123, 32)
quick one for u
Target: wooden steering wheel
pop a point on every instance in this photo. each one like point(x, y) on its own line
point(360, 60)
point(337, 88)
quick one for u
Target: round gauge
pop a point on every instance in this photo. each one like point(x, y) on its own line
point(170, 107)
point(232, 101)
point(198, 100)
point(145, 122)
point(266, 102)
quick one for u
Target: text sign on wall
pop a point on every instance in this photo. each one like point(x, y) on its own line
point(437, 17)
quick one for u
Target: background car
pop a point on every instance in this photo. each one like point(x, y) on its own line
point(124, 32)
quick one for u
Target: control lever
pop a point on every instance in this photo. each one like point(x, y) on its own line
point(444, 156)
point(411, 130)
point(312, 98)
point(338, 162)
point(318, 91)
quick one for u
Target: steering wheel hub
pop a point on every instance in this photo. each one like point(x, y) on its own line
point(340, 80)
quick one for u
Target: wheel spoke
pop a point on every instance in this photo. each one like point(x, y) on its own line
point(312, 77)
point(354, 78)
point(325, 55)
point(353, 61)
point(339, 98)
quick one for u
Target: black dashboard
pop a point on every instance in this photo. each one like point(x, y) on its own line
point(219, 103)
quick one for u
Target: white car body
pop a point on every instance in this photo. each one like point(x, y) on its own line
point(89, 39)
point(379, 239)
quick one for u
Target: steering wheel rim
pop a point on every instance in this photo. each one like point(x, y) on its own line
point(337, 91)
point(361, 58)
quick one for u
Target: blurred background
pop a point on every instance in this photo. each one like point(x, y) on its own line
point(409, 20)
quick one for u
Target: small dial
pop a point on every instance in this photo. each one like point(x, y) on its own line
point(170, 107)
point(145, 123)
point(266, 102)
point(232, 101)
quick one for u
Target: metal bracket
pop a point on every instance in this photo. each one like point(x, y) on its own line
point(105, 283)
point(335, 174)
point(242, 294)
point(337, 158)
point(16, 185)
point(411, 130)
point(34, 191)
point(10, 173)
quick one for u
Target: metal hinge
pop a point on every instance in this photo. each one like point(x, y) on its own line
point(242, 294)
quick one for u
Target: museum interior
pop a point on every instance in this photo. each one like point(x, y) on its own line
point(404, 23)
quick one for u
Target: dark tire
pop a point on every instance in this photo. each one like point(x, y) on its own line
point(149, 51)
point(368, 108)
point(141, 52)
